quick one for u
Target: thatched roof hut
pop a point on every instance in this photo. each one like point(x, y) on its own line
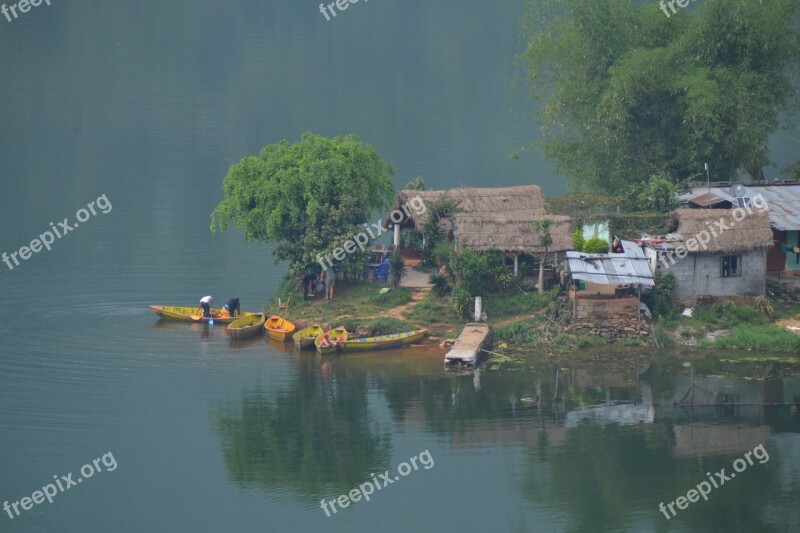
point(497, 218)
point(738, 234)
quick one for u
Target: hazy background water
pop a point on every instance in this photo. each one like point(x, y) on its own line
point(149, 103)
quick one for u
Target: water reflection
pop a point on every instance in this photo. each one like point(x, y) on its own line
point(600, 443)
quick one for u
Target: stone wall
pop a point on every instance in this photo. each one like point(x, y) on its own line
point(599, 307)
point(613, 328)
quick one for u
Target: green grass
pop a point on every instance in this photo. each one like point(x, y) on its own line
point(514, 303)
point(758, 338)
point(379, 326)
point(435, 313)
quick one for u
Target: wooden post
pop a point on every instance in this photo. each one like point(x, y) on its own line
point(516, 265)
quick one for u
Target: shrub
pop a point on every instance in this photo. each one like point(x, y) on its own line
point(441, 284)
point(595, 245)
point(462, 301)
point(517, 332)
point(760, 338)
point(578, 240)
point(659, 300)
point(397, 269)
point(441, 252)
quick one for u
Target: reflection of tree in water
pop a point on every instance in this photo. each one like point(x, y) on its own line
point(315, 437)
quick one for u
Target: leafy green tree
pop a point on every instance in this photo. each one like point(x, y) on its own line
point(438, 210)
point(417, 184)
point(658, 195)
point(627, 93)
point(595, 245)
point(305, 198)
point(578, 240)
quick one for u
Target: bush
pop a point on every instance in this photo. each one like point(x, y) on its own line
point(462, 301)
point(577, 240)
point(659, 300)
point(441, 252)
point(441, 284)
point(595, 245)
point(397, 269)
point(517, 332)
point(760, 338)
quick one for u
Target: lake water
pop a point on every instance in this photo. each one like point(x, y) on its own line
point(148, 104)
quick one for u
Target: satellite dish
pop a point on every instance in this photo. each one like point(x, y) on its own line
point(738, 190)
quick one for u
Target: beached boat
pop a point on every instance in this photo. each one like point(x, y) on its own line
point(383, 342)
point(246, 326)
point(279, 328)
point(305, 337)
point(191, 314)
point(333, 335)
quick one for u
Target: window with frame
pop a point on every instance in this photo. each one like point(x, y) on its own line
point(730, 266)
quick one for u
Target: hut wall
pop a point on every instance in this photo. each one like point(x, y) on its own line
point(699, 275)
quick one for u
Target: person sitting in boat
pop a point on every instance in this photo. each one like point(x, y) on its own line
point(230, 309)
point(207, 303)
point(325, 340)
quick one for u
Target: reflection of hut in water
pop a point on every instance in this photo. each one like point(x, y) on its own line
point(620, 414)
point(713, 391)
point(715, 439)
point(520, 432)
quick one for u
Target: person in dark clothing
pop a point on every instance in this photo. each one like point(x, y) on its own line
point(308, 280)
point(233, 307)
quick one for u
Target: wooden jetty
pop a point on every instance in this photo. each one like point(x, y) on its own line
point(467, 348)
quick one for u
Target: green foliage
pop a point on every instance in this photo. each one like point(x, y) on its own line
point(410, 239)
point(728, 315)
point(595, 245)
point(626, 93)
point(633, 225)
point(306, 198)
point(462, 301)
point(438, 210)
point(542, 229)
point(393, 298)
point(759, 338)
point(379, 326)
point(659, 299)
point(578, 240)
point(441, 284)
point(417, 184)
point(471, 270)
point(515, 304)
point(518, 332)
point(397, 269)
point(658, 195)
point(441, 253)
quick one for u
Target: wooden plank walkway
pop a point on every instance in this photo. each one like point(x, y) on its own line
point(466, 350)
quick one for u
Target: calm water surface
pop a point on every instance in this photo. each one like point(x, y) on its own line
point(149, 103)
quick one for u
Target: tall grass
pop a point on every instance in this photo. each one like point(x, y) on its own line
point(759, 338)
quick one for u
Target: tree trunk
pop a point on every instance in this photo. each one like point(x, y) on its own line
point(541, 273)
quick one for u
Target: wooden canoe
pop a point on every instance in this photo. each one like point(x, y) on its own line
point(333, 334)
point(305, 337)
point(246, 326)
point(185, 314)
point(279, 328)
point(383, 342)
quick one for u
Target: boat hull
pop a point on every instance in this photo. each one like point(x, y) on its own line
point(185, 314)
point(247, 326)
point(304, 338)
point(383, 342)
point(279, 329)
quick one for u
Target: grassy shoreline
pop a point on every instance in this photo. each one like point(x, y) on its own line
point(526, 322)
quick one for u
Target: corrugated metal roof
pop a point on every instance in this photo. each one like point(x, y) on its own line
point(612, 269)
point(707, 199)
point(783, 202)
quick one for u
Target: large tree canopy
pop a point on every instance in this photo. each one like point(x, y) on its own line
point(627, 92)
point(306, 197)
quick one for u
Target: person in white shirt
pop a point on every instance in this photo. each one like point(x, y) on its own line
point(207, 303)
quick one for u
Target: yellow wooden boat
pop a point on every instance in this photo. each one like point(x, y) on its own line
point(279, 328)
point(333, 335)
point(305, 337)
point(383, 342)
point(246, 326)
point(192, 314)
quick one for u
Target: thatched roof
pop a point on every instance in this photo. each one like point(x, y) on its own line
point(523, 203)
point(752, 231)
point(483, 232)
point(498, 218)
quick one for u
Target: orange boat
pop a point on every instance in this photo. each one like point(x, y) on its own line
point(279, 328)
